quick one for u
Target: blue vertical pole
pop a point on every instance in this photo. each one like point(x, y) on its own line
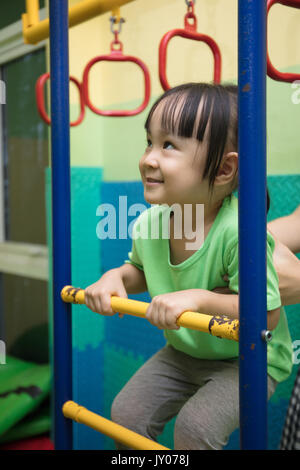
point(252, 222)
point(61, 232)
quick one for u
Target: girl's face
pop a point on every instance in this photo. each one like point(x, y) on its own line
point(172, 167)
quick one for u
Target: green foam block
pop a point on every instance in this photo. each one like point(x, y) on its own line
point(23, 387)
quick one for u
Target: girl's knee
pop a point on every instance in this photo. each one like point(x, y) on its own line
point(194, 431)
point(131, 415)
point(119, 411)
point(186, 437)
point(126, 412)
point(119, 414)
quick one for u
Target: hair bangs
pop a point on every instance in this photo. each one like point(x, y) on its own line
point(180, 112)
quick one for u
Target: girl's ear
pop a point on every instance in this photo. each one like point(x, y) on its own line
point(228, 169)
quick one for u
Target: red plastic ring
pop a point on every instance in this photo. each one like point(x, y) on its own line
point(39, 92)
point(271, 70)
point(188, 33)
point(116, 56)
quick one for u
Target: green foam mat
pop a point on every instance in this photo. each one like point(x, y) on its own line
point(23, 387)
point(36, 423)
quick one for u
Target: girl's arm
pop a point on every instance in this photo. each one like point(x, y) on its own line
point(287, 266)
point(165, 309)
point(286, 234)
point(118, 281)
point(287, 230)
point(133, 278)
point(213, 303)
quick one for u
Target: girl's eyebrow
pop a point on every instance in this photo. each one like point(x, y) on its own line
point(163, 133)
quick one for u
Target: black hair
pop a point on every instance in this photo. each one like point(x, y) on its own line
point(219, 118)
point(268, 200)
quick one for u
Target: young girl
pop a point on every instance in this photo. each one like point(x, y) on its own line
point(190, 160)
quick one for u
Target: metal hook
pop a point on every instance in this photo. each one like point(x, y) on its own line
point(113, 20)
point(190, 3)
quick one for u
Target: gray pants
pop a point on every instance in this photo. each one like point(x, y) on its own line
point(204, 394)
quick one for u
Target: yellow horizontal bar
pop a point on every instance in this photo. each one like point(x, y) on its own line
point(216, 325)
point(83, 11)
point(123, 435)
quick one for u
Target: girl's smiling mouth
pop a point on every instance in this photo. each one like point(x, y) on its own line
point(153, 182)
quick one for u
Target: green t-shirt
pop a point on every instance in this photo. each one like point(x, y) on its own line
point(205, 269)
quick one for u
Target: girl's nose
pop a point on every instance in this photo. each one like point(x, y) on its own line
point(150, 159)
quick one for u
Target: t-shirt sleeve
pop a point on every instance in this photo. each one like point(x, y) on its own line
point(273, 294)
point(133, 255)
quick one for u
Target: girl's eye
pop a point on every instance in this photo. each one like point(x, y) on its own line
point(168, 145)
point(149, 143)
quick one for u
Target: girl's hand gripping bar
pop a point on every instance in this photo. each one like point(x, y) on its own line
point(220, 326)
